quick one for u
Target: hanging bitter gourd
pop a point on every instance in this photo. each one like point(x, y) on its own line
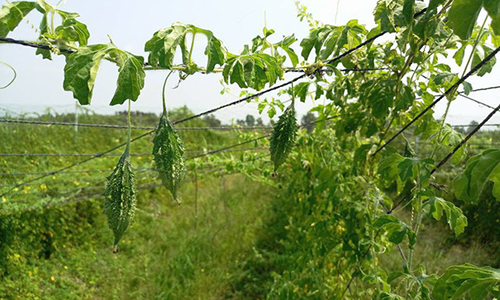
point(120, 193)
point(283, 137)
point(168, 152)
point(120, 197)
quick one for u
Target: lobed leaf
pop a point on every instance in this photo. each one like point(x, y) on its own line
point(70, 32)
point(253, 70)
point(458, 280)
point(12, 13)
point(164, 43)
point(329, 39)
point(384, 15)
point(120, 197)
point(479, 169)
point(395, 229)
point(285, 45)
point(462, 17)
point(168, 152)
point(130, 76)
point(82, 67)
point(283, 137)
point(454, 215)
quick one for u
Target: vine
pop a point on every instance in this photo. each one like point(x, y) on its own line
point(347, 179)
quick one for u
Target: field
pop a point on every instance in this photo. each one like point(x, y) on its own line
point(363, 184)
point(233, 237)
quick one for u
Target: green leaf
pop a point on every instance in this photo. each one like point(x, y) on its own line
point(462, 17)
point(301, 90)
point(478, 171)
point(454, 215)
point(164, 43)
point(329, 39)
point(120, 197)
point(82, 67)
point(408, 11)
point(405, 98)
point(81, 70)
point(479, 56)
point(381, 97)
point(395, 229)
point(459, 55)
point(130, 76)
point(433, 4)
point(406, 169)
point(11, 15)
point(384, 15)
point(388, 167)
point(458, 280)
point(283, 137)
point(445, 78)
point(72, 30)
point(492, 7)
point(285, 45)
point(252, 70)
point(168, 152)
point(467, 87)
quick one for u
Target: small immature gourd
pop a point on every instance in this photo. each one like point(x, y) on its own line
point(283, 137)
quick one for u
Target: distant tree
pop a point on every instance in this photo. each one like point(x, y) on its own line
point(241, 122)
point(250, 120)
point(308, 120)
point(459, 129)
point(259, 122)
point(473, 124)
point(212, 121)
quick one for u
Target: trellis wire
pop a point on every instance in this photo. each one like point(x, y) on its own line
point(116, 154)
point(110, 126)
point(452, 88)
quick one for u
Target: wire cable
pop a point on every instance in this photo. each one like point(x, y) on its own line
point(139, 154)
point(452, 88)
point(110, 126)
point(207, 112)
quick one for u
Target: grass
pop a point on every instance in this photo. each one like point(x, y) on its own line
point(224, 242)
point(168, 253)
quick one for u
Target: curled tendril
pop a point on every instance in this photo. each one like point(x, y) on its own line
point(13, 79)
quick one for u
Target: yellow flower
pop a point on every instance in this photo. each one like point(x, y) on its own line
point(340, 228)
point(43, 187)
point(287, 227)
point(52, 278)
point(4, 199)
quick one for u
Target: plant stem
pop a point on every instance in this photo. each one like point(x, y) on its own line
point(129, 130)
point(191, 48)
point(476, 42)
point(164, 101)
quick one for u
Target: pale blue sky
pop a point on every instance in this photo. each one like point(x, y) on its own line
point(132, 23)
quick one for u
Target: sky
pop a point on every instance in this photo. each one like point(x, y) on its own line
point(38, 85)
